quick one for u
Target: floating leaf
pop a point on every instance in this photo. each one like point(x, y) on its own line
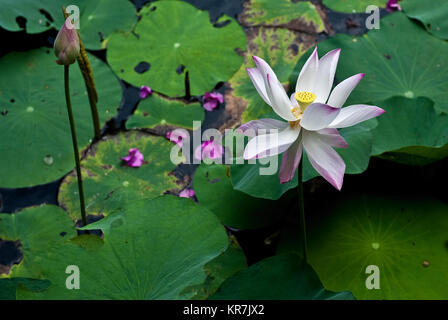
point(97, 20)
point(391, 68)
point(280, 48)
point(234, 208)
point(36, 120)
point(300, 16)
point(157, 110)
point(108, 184)
point(221, 268)
point(247, 178)
point(406, 238)
point(8, 287)
point(431, 14)
point(151, 250)
point(171, 39)
point(411, 132)
point(350, 6)
point(282, 277)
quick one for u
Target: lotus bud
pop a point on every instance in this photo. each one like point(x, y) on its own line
point(66, 45)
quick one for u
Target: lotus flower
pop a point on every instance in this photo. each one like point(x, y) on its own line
point(312, 116)
point(66, 44)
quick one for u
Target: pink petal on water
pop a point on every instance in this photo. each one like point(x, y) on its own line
point(187, 193)
point(212, 100)
point(145, 91)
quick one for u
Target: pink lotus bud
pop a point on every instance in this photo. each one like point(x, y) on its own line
point(66, 45)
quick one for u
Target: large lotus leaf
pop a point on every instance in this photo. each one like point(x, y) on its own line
point(37, 229)
point(219, 269)
point(280, 277)
point(406, 238)
point(295, 15)
point(247, 178)
point(280, 48)
point(98, 19)
point(391, 68)
point(109, 184)
point(36, 144)
point(170, 39)
point(353, 6)
point(234, 208)
point(151, 249)
point(157, 110)
point(8, 286)
point(432, 15)
point(411, 131)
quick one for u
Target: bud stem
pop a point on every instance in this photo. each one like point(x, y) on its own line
point(75, 144)
point(302, 211)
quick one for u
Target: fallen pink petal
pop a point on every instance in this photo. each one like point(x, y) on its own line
point(393, 5)
point(134, 159)
point(145, 91)
point(187, 193)
point(176, 136)
point(209, 149)
point(212, 100)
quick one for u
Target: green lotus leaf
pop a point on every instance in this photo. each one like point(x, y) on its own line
point(292, 14)
point(171, 39)
point(404, 237)
point(219, 269)
point(247, 178)
point(350, 6)
point(233, 208)
point(152, 249)
point(391, 68)
point(157, 110)
point(109, 184)
point(282, 277)
point(432, 15)
point(8, 286)
point(280, 48)
point(98, 19)
point(34, 126)
point(411, 132)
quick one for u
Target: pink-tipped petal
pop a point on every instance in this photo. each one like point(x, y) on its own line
point(290, 162)
point(327, 162)
point(318, 116)
point(351, 115)
point(331, 137)
point(325, 75)
point(341, 92)
point(280, 101)
point(264, 68)
point(308, 75)
point(252, 127)
point(257, 79)
point(270, 144)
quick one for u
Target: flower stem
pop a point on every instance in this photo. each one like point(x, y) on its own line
point(75, 144)
point(302, 212)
